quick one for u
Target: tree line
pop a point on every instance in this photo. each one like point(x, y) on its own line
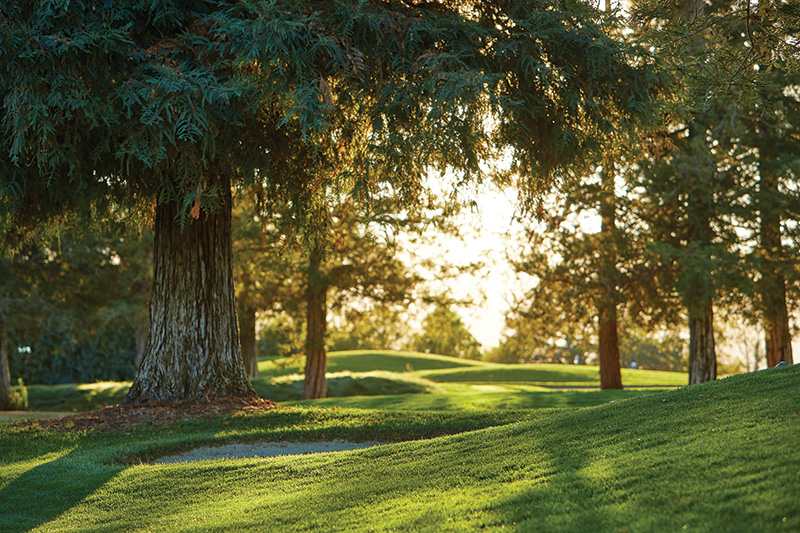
point(152, 113)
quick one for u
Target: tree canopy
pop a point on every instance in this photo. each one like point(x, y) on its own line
point(110, 108)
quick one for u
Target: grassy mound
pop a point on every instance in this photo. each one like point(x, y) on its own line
point(368, 361)
point(391, 380)
point(343, 384)
point(721, 456)
point(548, 375)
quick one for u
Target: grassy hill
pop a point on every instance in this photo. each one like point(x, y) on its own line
point(720, 456)
point(403, 380)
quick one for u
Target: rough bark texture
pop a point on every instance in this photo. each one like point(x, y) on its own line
point(772, 287)
point(5, 377)
point(314, 385)
point(608, 350)
point(192, 348)
point(142, 331)
point(702, 351)
point(247, 336)
point(608, 346)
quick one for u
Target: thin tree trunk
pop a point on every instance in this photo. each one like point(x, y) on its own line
point(193, 346)
point(5, 375)
point(772, 287)
point(608, 345)
point(247, 336)
point(702, 350)
point(314, 385)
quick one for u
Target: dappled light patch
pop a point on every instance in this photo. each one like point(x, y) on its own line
point(264, 449)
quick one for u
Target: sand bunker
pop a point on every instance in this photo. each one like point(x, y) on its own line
point(264, 449)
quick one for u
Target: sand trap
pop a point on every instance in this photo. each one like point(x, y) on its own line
point(264, 449)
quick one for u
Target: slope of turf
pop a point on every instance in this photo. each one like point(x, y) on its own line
point(369, 361)
point(463, 384)
point(721, 456)
point(552, 376)
point(460, 397)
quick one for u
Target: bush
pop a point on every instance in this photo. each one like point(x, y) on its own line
point(19, 397)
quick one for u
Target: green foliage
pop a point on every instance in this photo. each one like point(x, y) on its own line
point(376, 328)
point(665, 352)
point(444, 333)
point(280, 336)
point(19, 396)
point(109, 106)
point(74, 308)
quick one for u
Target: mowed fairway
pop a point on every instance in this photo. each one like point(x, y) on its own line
point(721, 456)
point(466, 384)
point(404, 380)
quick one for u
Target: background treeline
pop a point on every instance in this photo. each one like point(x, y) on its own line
point(696, 227)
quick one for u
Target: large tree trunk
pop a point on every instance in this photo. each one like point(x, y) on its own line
point(5, 376)
point(702, 351)
point(314, 385)
point(142, 331)
point(772, 287)
point(247, 335)
point(193, 346)
point(608, 345)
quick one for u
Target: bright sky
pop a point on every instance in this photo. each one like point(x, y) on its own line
point(489, 232)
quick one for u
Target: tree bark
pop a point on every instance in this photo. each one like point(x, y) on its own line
point(5, 376)
point(702, 350)
point(142, 331)
point(608, 345)
point(192, 348)
point(314, 385)
point(247, 336)
point(772, 286)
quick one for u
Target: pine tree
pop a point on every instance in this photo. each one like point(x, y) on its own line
point(109, 109)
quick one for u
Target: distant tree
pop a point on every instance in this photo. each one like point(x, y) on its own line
point(727, 164)
point(349, 261)
point(369, 327)
point(263, 267)
point(665, 351)
point(444, 333)
point(76, 307)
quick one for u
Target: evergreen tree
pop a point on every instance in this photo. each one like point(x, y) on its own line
point(444, 333)
point(110, 108)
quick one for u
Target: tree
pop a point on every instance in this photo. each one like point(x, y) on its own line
point(355, 263)
point(108, 109)
point(444, 333)
point(734, 127)
point(5, 375)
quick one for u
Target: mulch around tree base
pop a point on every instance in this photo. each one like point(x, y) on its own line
point(126, 417)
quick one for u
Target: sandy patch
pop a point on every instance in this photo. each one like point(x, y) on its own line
point(264, 449)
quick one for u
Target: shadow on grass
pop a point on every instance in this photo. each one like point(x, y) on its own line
point(59, 485)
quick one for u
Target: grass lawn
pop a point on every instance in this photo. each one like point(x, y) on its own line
point(720, 456)
point(402, 380)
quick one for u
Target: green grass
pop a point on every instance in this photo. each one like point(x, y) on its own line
point(459, 397)
point(74, 398)
point(552, 376)
point(721, 456)
point(342, 384)
point(400, 380)
point(369, 361)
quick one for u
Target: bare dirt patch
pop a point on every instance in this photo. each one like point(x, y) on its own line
point(126, 417)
